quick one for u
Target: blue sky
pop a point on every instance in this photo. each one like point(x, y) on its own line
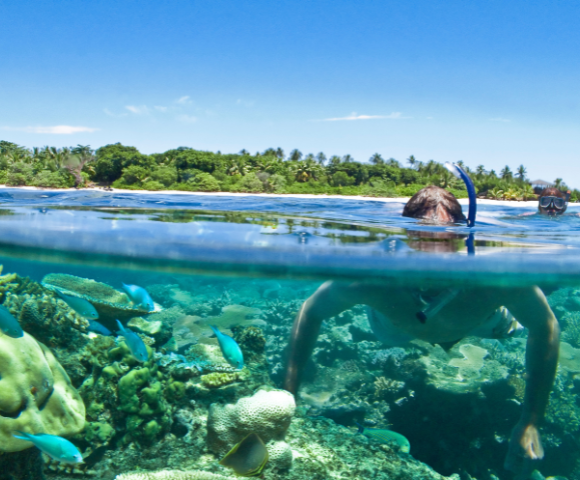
point(486, 82)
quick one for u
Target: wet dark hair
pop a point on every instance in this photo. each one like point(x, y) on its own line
point(435, 204)
point(552, 192)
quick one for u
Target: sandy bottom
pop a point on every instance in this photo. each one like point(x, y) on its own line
point(463, 201)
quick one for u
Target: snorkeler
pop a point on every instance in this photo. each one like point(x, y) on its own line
point(553, 202)
point(437, 315)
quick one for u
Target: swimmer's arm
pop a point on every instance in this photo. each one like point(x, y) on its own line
point(329, 300)
point(531, 309)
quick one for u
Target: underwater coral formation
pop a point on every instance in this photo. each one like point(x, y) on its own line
point(172, 475)
point(36, 395)
point(110, 303)
point(267, 413)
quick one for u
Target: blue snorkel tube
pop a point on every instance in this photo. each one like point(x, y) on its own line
point(460, 173)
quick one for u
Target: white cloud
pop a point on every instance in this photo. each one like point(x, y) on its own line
point(138, 110)
point(183, 100)
point(56, 130)
point(187, 118)
point(160, 109)
point(354, 116)
point(499, 119)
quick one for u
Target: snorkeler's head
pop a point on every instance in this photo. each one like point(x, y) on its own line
point(552, 202)
point(434, 204)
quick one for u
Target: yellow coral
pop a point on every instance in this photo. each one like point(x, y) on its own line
point(36, 395)
point(219, 379)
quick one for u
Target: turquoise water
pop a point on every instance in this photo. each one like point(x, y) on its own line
point(247, 265)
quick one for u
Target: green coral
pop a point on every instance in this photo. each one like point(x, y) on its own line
point(175, 389)
point(219, 379)
point(98, 433)
point(129, 384)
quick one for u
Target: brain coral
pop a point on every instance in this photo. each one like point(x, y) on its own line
point(36, 395)
point(267, 413)
point(172, 475)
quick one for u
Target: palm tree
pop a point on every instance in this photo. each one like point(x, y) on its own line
point(269, 152)
point(348, 158)
point(558, 182)
point(506, 173)
point(495, 193)
point(521, 173)
point(412, 161)
point(244, 152)
point(321, 158)
point(295, 155)
point(376, 159)
point(393, 163)
point(430, 167)
point(527, 192)
point(81, 156)
point(445, 178)
point(335, 160)
point(280, 153)
point(480, 170)
point(305, 170)
point(239, 168)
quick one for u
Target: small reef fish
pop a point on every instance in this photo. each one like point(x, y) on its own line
point(230, 349)
point(139, 296)
point(386, 436)
point(79, 305)
point(134, 342)
point(9, 325)
point(247, 458)
point(97, 327)
point(57, 448)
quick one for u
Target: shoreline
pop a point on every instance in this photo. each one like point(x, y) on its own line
point(462, 201)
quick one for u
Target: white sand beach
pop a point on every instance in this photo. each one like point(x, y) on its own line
point(463, 201)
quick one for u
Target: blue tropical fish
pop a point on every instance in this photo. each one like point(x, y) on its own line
point(97, 327)
point(79, 305)
point(230, 349)
point(139, 296)
point(9, 325)
point(57, 448)
point(386, 436)
point(134, 342)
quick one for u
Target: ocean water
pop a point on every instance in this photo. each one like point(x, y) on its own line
point(248, 265)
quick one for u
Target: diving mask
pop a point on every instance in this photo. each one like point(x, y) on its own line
point(550, 200)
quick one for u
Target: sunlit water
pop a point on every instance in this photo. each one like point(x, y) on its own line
point(200, 254)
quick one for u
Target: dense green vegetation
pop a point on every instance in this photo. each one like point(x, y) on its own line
point(271, 172)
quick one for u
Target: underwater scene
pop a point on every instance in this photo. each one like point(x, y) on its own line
point(171, 337)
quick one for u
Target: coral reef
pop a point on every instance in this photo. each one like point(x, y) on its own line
point(172, 475)
point(36, 395)
point(175, 415)
point(40, 312)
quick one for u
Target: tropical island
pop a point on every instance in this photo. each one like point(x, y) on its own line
point(187, 169)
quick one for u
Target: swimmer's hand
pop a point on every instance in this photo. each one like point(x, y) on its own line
point(525, 445)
